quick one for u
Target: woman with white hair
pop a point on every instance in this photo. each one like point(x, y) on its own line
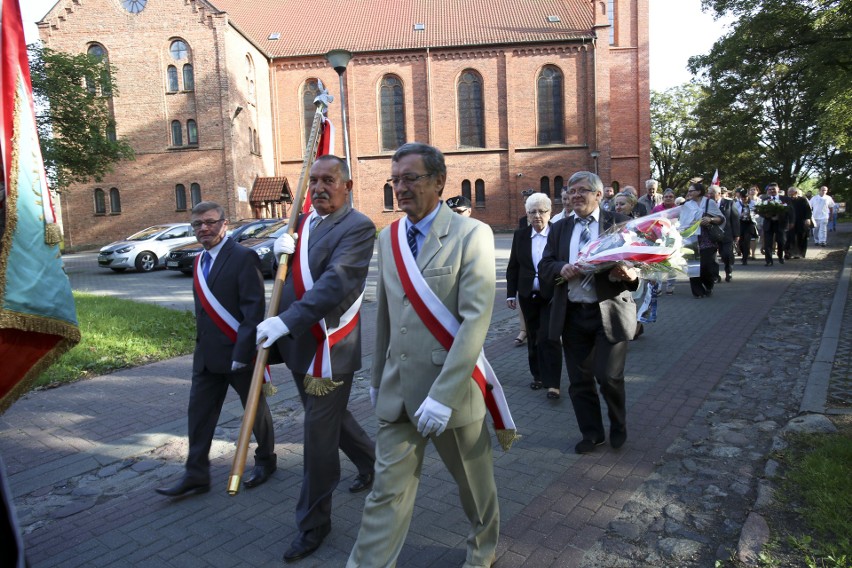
point(523, 287)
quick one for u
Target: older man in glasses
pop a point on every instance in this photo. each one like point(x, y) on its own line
point(228, 287)
point(595, 318)
point(436, 268)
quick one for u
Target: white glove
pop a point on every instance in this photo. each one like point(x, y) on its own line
point(374, 395)
point(236, 365)
point(433, 417)
point(285, 244)
point(271, 330)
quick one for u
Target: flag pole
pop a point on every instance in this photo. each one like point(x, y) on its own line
point(321, 102)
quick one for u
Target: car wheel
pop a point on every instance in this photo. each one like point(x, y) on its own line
point(146, 261)
point(118, 269)
point(186, 272)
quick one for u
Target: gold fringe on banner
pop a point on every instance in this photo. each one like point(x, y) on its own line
point(52, 234)
point(269, 389)
point(320, 386)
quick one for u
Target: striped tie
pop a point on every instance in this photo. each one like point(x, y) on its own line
point(315, 221)
point(412, 240)
point(205, 264)
point(585, 233)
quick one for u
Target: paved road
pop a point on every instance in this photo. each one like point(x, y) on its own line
point(709, 388)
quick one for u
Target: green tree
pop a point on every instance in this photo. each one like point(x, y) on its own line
point(675, 135)
point(73, 96)
point(760, 107)
point(812, 37)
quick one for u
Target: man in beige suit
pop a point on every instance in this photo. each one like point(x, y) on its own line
point(420, 390)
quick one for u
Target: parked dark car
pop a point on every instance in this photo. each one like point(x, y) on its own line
point(183, 257)
point(262, 245)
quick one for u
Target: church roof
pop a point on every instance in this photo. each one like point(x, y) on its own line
point(314, 28)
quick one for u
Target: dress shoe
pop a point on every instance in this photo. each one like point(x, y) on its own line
point(617, 437)
point(728, 277)
point(587, 446)
point(717, 279)
point(536, 385)
point(781, 260)
point(259, 474)
point(183, 488)
point(307, 543)
point(362, 482)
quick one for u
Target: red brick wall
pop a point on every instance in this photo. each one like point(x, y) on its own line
point(605, 110)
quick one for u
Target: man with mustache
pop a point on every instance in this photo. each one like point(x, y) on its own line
point(318, 335)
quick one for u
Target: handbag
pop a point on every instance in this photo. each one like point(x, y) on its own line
point(714, 232)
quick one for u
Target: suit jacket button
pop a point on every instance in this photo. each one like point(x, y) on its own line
point(403, 357)
point(403, 330)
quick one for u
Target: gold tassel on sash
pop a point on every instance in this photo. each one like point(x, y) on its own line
point(507, 438)
point(320, 386)
point(269, 389)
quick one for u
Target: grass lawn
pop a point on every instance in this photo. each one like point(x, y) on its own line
point(117, 334)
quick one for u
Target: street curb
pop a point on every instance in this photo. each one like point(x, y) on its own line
point(816, 389)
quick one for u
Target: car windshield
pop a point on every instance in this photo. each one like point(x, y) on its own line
point(273, 230)
point(146, 234)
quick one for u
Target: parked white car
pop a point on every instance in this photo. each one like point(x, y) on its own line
point(146, 249)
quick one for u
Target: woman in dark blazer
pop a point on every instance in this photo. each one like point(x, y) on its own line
point(522, 287)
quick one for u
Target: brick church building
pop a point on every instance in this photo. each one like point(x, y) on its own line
point(215, 97)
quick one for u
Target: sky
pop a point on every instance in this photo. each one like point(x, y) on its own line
point(678, 30)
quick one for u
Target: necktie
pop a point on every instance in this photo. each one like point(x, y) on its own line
point(412, 240)
point(585, 233)
point(315, 221)
point(205, 264)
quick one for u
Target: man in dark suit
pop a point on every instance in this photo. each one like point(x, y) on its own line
point(321, 298)
point(228, 286)
point(522, 282)
point(595, 322)
point(732, 229)
point(776, 226)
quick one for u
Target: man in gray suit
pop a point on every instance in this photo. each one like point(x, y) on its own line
point(422, 391)
point(230, 274)
point(595, 322)
point(321, 298)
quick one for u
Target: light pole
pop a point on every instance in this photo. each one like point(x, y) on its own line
point(339, 59)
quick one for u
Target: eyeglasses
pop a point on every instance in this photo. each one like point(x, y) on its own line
point(407, 179)
point(580, 191)
point(198, 224)
point(538, 212)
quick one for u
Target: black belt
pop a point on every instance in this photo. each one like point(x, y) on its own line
point(582, 305)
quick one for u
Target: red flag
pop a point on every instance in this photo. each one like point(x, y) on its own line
point(324, 146)
point(38, 321)
point(715, 178)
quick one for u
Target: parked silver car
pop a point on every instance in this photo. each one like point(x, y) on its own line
point(146, 249)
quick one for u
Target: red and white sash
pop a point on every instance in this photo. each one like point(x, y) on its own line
point(325, 336)
point(444, 326)
point(223, 319)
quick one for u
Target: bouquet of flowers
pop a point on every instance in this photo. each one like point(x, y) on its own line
point(653, 243)
point(771, 209)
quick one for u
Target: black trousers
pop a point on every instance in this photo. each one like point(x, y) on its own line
point(328, 426)
point(591, 360)
point(773, 239)
point(726, 253)
point(797, 242)
point(544, 355)
point(702, 285)
point(206, 397)
point(747, 232)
